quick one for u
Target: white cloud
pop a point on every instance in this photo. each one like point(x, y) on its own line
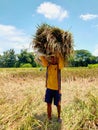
point(12, 38)
point(88, 16)
point(95, 53)
point(52, 11)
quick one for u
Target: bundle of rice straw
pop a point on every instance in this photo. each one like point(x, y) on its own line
point(50, 40)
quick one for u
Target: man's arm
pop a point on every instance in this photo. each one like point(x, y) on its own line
point(60, 61)
point(44, 61)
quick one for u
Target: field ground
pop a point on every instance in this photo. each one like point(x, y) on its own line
point(22, 105)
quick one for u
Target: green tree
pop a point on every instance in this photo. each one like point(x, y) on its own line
point(94, 59)
point(8, 59)
point(82, 58)
point(25, 57)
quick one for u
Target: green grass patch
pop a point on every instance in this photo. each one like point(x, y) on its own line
point(93, 66)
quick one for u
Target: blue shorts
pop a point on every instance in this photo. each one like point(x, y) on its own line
point(52, 95)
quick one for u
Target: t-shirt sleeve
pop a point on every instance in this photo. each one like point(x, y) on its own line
point(44, 62)
point(61, 62)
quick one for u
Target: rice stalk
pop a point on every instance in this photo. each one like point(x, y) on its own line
point(50, 40)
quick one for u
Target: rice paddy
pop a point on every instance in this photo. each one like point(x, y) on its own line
point(22, 105)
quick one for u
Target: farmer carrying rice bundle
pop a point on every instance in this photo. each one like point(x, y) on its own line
point(53, 47)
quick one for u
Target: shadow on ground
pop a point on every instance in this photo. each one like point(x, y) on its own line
point(42, 123)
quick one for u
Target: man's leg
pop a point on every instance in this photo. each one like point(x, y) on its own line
point(49, 110)
point(57, 102)
point(59, 110)
point(48, 100)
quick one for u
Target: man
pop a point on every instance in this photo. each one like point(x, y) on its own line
point(53, 83)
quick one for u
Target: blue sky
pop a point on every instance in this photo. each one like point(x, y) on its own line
point(19, 19)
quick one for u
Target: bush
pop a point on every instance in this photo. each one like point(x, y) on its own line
point(28, 65)
point(93, 66)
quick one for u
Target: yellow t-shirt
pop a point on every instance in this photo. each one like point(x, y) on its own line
point(52, 71)
point(52, 79)
point(44, 62)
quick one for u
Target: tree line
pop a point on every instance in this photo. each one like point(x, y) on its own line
point(10, 59)
point(82, 58)
point(27, 59)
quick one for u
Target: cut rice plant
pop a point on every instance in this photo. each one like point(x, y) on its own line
point(22, 105)
point(82, 114)
point(50, 40)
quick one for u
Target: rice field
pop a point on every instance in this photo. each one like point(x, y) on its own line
point(22, 105)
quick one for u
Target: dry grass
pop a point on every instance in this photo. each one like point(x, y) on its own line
point(22, 104)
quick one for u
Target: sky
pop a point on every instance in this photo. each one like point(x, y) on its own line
point(19, 20)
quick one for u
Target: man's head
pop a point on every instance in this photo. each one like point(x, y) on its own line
point(54, 60)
